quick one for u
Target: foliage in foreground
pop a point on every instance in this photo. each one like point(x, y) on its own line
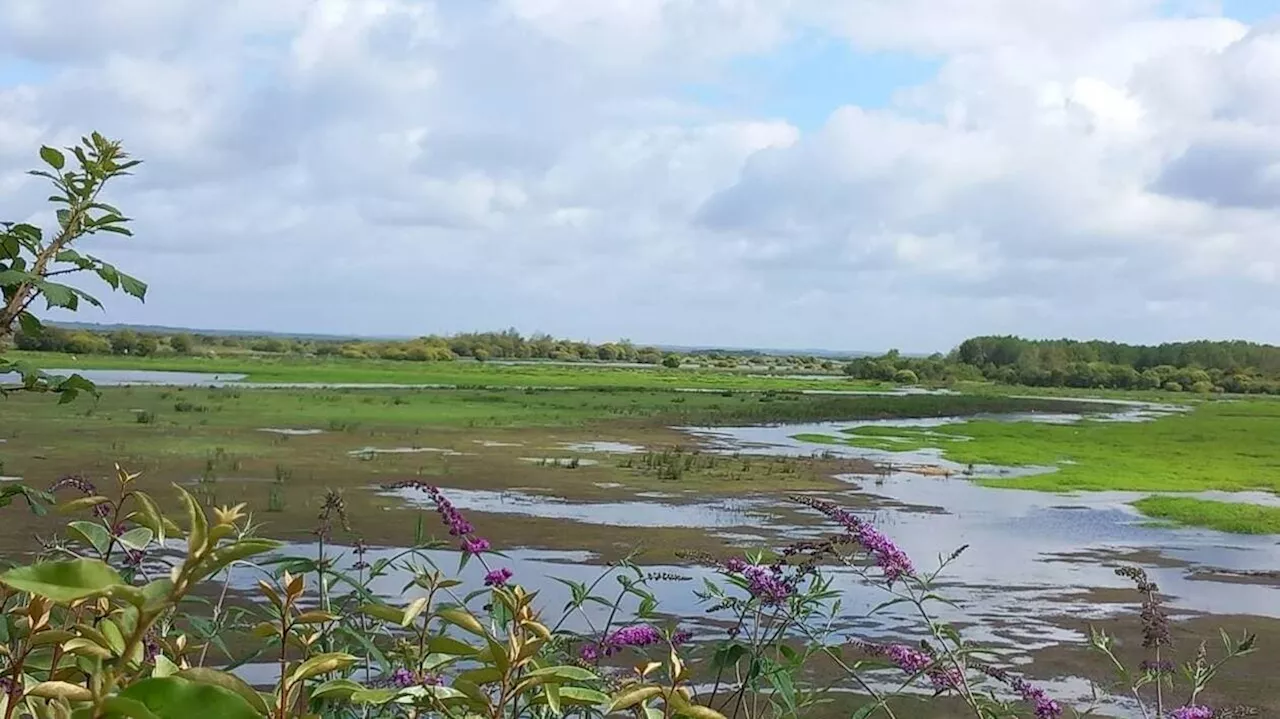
point(30, 258)
point(134, 616)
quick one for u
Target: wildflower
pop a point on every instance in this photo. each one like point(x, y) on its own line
point(475, 545)
point(1197, 711)
point(1045, 708)
point(681, 637)
point(498, 577)
point(133, 558)
point(1155, 622)
point(638, 635)
point(117, 529)
point(76, 482)
point(590, 652)
point(361, 549)
point(766, 584)
point(403, 678)
point(102, 511)
point(914, 661)
point(888, 556)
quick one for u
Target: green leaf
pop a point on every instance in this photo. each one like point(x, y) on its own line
point(449, 645)
point(91, 533)
point(565, 672)
point(481, 676)
point(30, 324)
point(164, 667)
point(149, 516)
point(123, 708)
point(179, 698)
point(13, 278)
point(198, 524)
point(63, 581)
point(133, 286)
point(374, 696)
point(583, 696)
point(382, 611)
point(53, 158)
point(228, 681)
point(137, 538)
point(71, 387)
point(552, 693)
point(322, 664)
point(56, 294)
point(341, 688)
point(243, 549)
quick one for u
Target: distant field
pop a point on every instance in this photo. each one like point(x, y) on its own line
point(284, 368)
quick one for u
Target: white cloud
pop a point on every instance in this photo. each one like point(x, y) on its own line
point(402, 166)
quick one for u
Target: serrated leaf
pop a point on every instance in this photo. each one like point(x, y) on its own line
point(63, 581)
point(131, 285)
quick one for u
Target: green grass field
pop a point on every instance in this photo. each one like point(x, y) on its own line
point(1223, 516)
point(1223, 445)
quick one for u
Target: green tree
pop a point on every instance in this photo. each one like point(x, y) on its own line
point(181, 343)
point(30, 257)
point(124, 342)
point(671, 361)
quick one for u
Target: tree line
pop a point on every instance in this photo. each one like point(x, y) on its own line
point(1200, 366)
point(482, 346)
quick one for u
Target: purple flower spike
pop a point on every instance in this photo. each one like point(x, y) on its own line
point(403, 678)
point(639, 635)
point(888, 556)
point(590, 652)
point(475, 545)
point(498, 577)
point(1192, 712)
point(77, 483)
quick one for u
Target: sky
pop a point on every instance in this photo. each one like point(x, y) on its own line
point(842, 174)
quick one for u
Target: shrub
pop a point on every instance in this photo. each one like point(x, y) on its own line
point(905, 376)
point(671, 361)
point(154, 646)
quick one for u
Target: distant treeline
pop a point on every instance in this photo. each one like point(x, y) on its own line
point(506, 345)
point(1203, 366)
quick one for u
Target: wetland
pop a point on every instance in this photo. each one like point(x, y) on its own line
point(1051, 495)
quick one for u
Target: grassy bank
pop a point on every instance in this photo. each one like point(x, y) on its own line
point(1222, 445)
point(1222, 516)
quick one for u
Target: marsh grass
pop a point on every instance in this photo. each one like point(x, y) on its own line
point(1236, 517)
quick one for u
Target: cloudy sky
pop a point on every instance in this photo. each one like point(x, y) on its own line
point(851, 174)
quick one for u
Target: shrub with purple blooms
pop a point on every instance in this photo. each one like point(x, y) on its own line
point(453, 644)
